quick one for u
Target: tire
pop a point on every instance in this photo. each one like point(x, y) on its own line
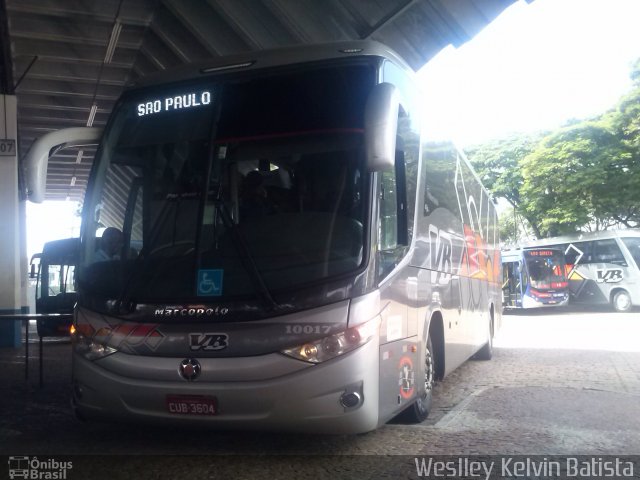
point(419, 410)
point(621, 301)
point(486, 352)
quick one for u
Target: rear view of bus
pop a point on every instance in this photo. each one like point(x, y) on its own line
point(534, 277)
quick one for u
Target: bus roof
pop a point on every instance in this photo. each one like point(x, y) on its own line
point(61, 252)
point(273, 58)
point(583, 237)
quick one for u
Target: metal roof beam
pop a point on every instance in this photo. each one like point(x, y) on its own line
point(312, 22)
point(46, 69)
point(72, 52)
point(39, 27)
point(132, 12)
point(158, 54)
point(57, 88)
point(178, 38)
point(254, 23)
point(390, 18)
point(51, 103)
point(209, 28)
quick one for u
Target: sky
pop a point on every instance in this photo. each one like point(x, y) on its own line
point(535, 67)
point(50, 221)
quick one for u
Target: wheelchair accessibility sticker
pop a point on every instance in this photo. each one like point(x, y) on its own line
point(210, 283)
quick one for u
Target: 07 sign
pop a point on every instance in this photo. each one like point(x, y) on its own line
point(7, 147)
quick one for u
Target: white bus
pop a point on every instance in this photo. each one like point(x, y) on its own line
point(294, 256)
point(601, 267)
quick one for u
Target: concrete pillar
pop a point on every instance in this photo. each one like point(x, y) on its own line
point(10, 241)
point(24, 258)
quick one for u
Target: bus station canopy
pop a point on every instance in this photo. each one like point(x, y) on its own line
point(68, 60)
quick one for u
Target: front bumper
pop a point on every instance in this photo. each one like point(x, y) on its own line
point(298, 397)
point(529, 302)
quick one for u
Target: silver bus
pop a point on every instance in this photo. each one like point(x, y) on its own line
point(601, 267)
point(293, 255)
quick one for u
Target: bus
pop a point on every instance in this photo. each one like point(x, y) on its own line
point(533, 278)
point(601, 267)
point(55, 289)
point(295, 255)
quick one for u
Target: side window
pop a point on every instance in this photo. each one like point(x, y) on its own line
point(524, 275)
point(388, 231)
point(408, 154)
point(608, 251)
point(56, 276)
point(440, 160)
point(633, 245)
point(575, 253)
point(68, 283)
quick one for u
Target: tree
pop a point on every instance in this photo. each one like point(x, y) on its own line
point(625, 121)
point(568, 178)
point(583, 176)
point(497, 165)
point(513, 228)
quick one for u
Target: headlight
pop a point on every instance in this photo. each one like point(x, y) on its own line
point(89, 348)
point(324, 349)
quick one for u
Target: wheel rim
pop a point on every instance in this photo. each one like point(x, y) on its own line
point(623, 302)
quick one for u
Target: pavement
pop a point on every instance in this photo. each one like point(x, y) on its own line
point(560, 383)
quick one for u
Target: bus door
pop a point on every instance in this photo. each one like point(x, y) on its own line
point(512, 284)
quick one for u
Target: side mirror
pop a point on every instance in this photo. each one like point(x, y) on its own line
point(380, 127)
point(32, 272)
point(37, 158)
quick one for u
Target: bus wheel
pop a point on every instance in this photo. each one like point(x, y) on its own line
point(419, 410)
point(621, 301)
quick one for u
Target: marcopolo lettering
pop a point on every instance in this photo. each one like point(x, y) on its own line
point(178, 102)
point(191, 311)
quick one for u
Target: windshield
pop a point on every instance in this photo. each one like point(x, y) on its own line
point(633, 244)
point(226, 189)
point(546, 269)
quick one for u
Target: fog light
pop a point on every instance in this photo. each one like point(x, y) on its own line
point(350, 399)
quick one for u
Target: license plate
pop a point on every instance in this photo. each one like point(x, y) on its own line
point(192, 405)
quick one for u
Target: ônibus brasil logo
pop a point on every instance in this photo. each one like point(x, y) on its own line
point(33, 468)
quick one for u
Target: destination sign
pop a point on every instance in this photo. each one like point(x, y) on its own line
point(177, 102)
point(540, 253)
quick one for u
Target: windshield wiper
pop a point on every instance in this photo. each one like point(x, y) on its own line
point(144, 254)
point(246, 258)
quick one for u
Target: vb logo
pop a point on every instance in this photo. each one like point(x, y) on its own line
point(609, 276)
point(440, 252)
point(208, 341)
